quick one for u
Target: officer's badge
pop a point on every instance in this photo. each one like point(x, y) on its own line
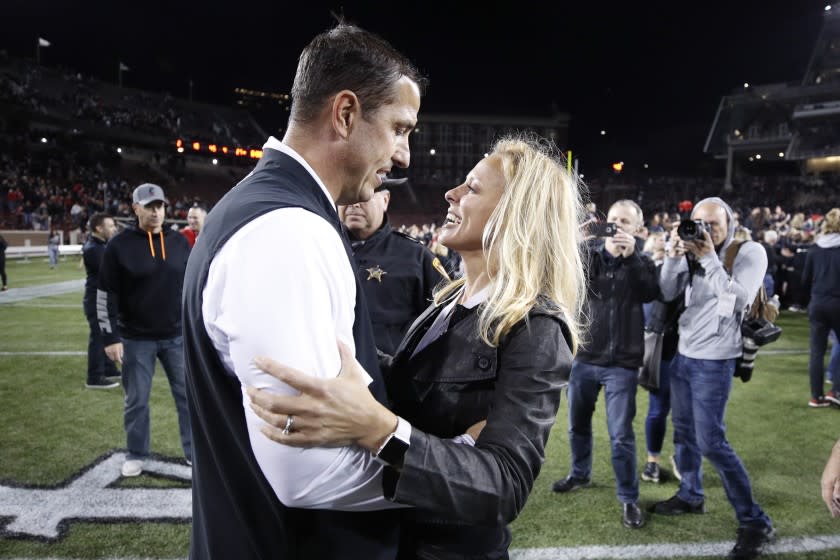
point(376, 273)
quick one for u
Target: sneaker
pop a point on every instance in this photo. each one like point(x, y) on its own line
point(819, 402)
point(117, 377)
point(751, 542)
point(832, 398)
point(570, 483)
point(189, 462)
point(4, 289)
point(103, 383)
point(677, 506)
point(677, 474)
point(132, 467)
point(651, 472)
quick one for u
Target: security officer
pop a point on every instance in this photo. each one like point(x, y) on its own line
point(397, 272)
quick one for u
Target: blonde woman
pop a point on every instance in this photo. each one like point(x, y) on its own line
point(496, 345)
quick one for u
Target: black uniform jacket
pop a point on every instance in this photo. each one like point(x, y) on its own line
point(397, 275)
point(465, 496)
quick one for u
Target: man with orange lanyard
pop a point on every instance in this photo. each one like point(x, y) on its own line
point(139, 310)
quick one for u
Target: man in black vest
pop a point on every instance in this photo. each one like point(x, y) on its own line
point(272, 275)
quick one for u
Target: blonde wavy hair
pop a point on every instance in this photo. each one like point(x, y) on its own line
point(831, 223)
point(532, 241)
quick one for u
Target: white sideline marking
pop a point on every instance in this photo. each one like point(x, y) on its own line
point(672, 550)
point(47, 305)
point(56, 353)
point(15, 295)
point(665, 550)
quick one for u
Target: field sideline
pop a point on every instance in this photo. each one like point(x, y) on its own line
point(58, 442)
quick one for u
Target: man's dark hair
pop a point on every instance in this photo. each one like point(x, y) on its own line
point(97, 220)
point(348, 57)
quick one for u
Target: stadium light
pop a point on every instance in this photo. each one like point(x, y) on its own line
point(215, 161)
point(196, 146)
point(119, 150)
point(781, 154)
point(737, 132)
point(603, 133)
point(646, 166)
point(618, 166)
point(581, 175)
point(752, 158)
point(757, 156)
point(746, 85)
point(432, 152)
point(43, 140)
point(828, 7)
point(180, 149)
point(212, 148)
point(417, 130)
point(485, 154)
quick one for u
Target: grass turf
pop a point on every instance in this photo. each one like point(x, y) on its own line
point(51, 427)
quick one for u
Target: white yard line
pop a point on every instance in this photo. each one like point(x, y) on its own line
point(15, 295)
point(56, 353)
point(791, 545)
point(672, 550)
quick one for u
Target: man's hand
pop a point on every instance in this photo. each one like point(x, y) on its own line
point(115, 352)
point(676, 247)
point(701, 248)
point(625, 243)
point(831, 482)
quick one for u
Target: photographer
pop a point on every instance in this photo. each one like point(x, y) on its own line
point(621, 279)
point(709, 344)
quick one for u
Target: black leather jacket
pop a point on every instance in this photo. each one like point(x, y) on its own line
point(464, 496)
point(617, 288)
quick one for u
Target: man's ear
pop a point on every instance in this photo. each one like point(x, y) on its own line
point(346, 111)
point(386, 195)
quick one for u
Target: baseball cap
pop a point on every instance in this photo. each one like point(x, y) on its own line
point(147, 192)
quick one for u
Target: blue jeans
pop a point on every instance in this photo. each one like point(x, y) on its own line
point(824, 315)
point(659, 405)
point(138, 369)
point(53, 250)
point(699, 392)
point(620, 396)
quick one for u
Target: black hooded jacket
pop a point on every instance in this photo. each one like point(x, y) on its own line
point(140, 283)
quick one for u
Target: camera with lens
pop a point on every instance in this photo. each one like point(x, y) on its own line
point(692, 230)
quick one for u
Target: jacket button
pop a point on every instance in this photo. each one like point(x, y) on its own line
point(483, 363)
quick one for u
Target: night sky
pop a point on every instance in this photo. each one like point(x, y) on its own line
point(650, 73)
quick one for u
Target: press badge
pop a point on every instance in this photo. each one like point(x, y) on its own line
point(726, 305)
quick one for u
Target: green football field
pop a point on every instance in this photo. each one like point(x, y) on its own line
point(55, 434)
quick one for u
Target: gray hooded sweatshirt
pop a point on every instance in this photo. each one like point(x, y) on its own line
point(704, 333)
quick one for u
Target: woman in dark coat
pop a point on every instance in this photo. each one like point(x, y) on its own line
point(496, 345)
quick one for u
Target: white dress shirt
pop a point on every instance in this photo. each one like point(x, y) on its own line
point(283, 287)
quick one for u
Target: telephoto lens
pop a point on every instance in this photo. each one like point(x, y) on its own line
point(690, 230)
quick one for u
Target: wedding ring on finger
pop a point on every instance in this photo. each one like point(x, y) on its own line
point(290, 423)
